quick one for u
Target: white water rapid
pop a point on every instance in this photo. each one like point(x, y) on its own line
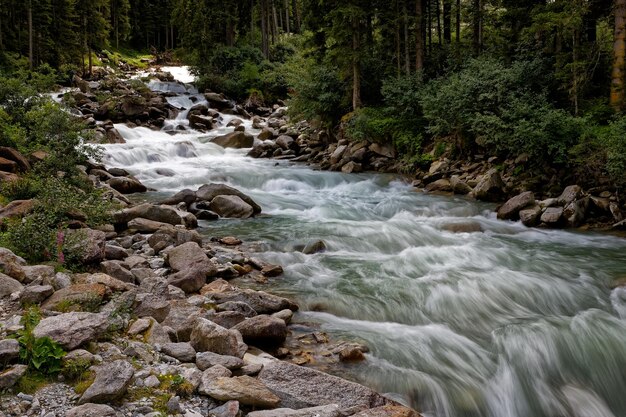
point(506, 322)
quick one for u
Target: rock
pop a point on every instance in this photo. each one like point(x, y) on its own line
point(552, 216)
point(192, 279)
point(262, 330)
point(145, 226)
point(206, 360)
point(71, 330)
point(210, 375)
point(463, 227)
point(151, 305)
point(530, 216)
point(510, 210)
point(490, 187)
point(388, 411)
point(182, 318)
point(209, 191)
point(351, 354)
point(246, 390)
point(285, 315)
point(35, 294)
point(9, 285)
point(92, 410)
point(218, 101)
point(352, 167)
point(272, 270)
point(236, 306)
point(17, 208)
point(331, 410)
point(235, 139)
point(459, 186)
point(231, 206)
point(182, 351)
point(316, 246)
point(208, 336)
point(126, 185)
point(230, 241)
point(118, 270)
point(575, 212)
point(163, 214)
point(229, 409)
point(111, 383)
point(12, 265)
point(441, 185)
point(86, 246)
point(383, 150)
point(77, 297)
point(186, 196)
point(570, 194)
point(9, 377)
point(286, 142)
point(108, 281)
point(14, 155)
point(9, 351)
point(115, 252)
point(300, 387)
point(261, 302)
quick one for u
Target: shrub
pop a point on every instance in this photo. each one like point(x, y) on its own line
point(41, 354)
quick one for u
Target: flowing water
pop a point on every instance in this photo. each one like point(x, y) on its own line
point(505, 322)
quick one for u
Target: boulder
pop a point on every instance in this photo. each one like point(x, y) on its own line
point(441, 185)
point(186, 255)
point(238, 307)
point(331, 410)
point(286, 142)
point(262, 330)
point(191, 280)
point(208, 336)
point(228, 409)
point(388, 411)
point(9, 351)
point(210, 375)
point(14, 155)
point(570, 194)
point(9, 377)
point(111, 383)
point(86, 246)
point(71, 330)
point(208, 192)
point(163, 214)
point(387, 151)
point(151, 305)
point(246, 390)
point(92, 410)
point(12, 265)
point(17, 208)
point(182, 351)
point(552, 216)
point(300, 387)
point(186, 196)
point(127, 185)
point(235, 139)
point(206, 360)
point(459, 186)
point(115, 252)
point(35, 294)
point(231, 206)
point(218, 101)
point(530, 216)
point(575, 212)
point(261, 302)
point(118, 270)
point(315, 246)
point(352, 167)
point(490, 187)
point(182, 319)
point(9, 285)
point(510, 210)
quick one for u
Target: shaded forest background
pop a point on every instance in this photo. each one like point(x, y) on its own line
point(533, 79)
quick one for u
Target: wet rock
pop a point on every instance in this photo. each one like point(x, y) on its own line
point(92, 410)
point(231, 206)
point(246, 390)
point(218, 101)
point(126, 185)
point(9, 377)
point(9, 351)
point(262, 330)
point(552, 216)
point(71, 330)
point(206, 360)
point(300, 387)
point(261, 302)
point(388, 411)
point(490, 187)
point(351, 354)
point(530, 216)
point(182, 351)
point(235, 139)
point(272, 270)
point(208, 192)
point(163, 214)
point(331, 410)
point(9, 285)
point(210, 337)
point(112, 381)
point(463, 227)
point(570, 194)
point(316, 246)
point(510, 210)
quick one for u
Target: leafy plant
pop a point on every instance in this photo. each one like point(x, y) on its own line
point(41, 354)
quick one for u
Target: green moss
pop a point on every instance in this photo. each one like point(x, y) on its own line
point(32, 382)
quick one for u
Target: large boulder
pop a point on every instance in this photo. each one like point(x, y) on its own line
point(246, 390)
point(186, 255)
point(262, 330)
point(17, 208)
point(300, 387)
point(208, 336)
point(530, 216)
point(552, 216)
point(92, 410)
point(490, 187)
point(235, 139)
point(182, 351)
point(575, 212)
point(206, 360)
point(331, 410)
point(163, 214)
point(86, 246)
point(218, 101)
point(191, 280)
point(71, 330)
point(570, 194)
point(14, 155)
point(208, 192)
point(510, 210)
point(9, 285)
point(127, 185)
point(111, 383)
point(260, 301)
point(231, 206)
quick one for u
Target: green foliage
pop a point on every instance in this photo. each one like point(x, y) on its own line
point(76, 370)
point(41, 354)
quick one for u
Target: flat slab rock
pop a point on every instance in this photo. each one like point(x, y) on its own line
point(331, 410)
point(300, 387)
point(71, 330)
point(92, 410)
point(246, 390)
point(112, 381)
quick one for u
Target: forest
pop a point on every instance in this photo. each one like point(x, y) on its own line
point(534, 77)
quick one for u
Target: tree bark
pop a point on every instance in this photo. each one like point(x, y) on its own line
point(397, 37)
point(458, 21)
point(275, 23)
point(439, 37)
point(30, 34)
point(419, 37)
point(407, 52)
point(477, 26)
point(447, 21)
point(264, 29)
point(619, 55)
point(356, 70)
point(287, 16)
point(296, 14)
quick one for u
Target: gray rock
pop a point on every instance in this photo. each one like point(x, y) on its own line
point(186, 255)
point(163, 214)
point(261, 302)
point(206, 360)
point(229, 409)
point(234, 140)
point(126, 185)
point(142, 225)
point(331, 410)
point(262, 330)
point(231, 206)
point(9, 350)
point(92, 410)
point(182, 351)
point(71, 330)
point(210, 375)
point(9, 285)
point(112, 381)
point(182, 318)
point(459, 186)
point(300, 387)
point(285, 315)
point(118, 270)
point(9, 377)
point(210, 337)
point(209, 191)
point(245, 389)
point(45, 273)
point(530, 216)
point(315, 246)
point(35, 294)
point(576, 212)
point(151, 305)
point(388, 411)
point(490, 187)
point(192, 279)
point(237, 306)
point(85, 245)
point(115, 252)
point(552, 216)
point(570, 194)
point(510, 210)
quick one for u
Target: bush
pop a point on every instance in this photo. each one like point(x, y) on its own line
point(41, 354)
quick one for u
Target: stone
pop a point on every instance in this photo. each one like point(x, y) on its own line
point(142, 225)
point(92, 410)
point(218, 101)
point(351, 354)
point(352, 167)
point(206, 360)
point(151, 382)
point(186, 196)
point(182, 351)
point(111, 383)
point(208, 192)
point(530, 216)
point(228, 409)
point(441, 185)
point(510, 210)
point(35, 294)
point(245, 389)
point(552, 216)
point(208, 336)
point(286, 142)
point(235, 139)
point(490, 187)
point(182, 318)
point(300, 387)
point(285, 315)
point(262, 330)
point(231, 206)
point(14, 155)
point(115, 252)
point(71, 330)
point(151, 305)
point(9, 285)
point(315, 246)
point(9, 351)
point(210, 375)
point(139, 326)
point(459, 186)
point(272, 270)
point(570, 194)
point(76, 297)
point(192, 279)
point(12, 265)
point(387, 151)
point(388, 411)
point(236, 306)
point(9, 377)
point(575, 212)
point(86, 245)
point(230, 241)
point(17, 208)
point(108, 281)
point(187, 255)
point(227, 319)
point(260, 301)
point(126, 185)
point(330, 410)
point(163, 214)
point(118, 270)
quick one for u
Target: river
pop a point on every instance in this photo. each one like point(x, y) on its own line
point(504, 322)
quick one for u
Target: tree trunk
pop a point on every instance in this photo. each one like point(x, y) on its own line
point(447, 21)
point(419, 37)
point(264, 29)
point(356, 70)
point(90, 62)
point(477, 24)
point(429, 24)
point(397, 39)
point(439, 37)
point(275, 23)
point(30, 34)
point(287, 16)
point(407, 52)
point(252, 22)
point(619, 55)
point(458, 21)
point(296, 14)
